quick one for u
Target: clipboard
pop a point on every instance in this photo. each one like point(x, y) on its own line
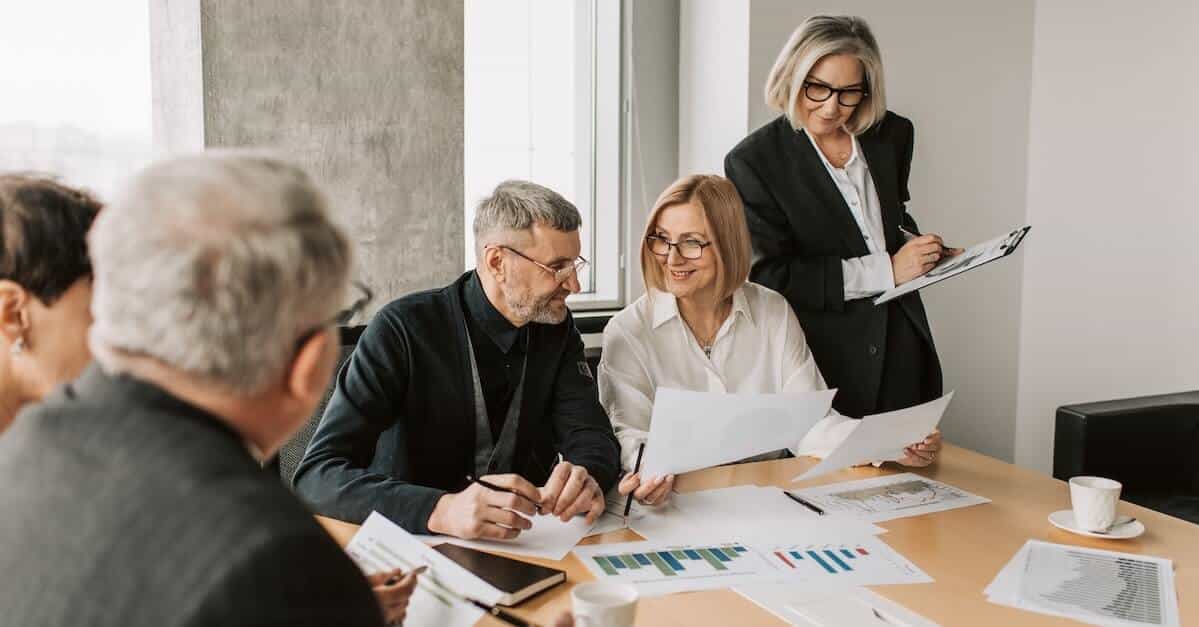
point(971, 258)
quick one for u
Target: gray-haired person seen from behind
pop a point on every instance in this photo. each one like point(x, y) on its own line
point(825, 187)
point(484, 378)
point(135, 495)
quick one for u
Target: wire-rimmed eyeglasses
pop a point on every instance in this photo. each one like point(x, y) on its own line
point(560, 274)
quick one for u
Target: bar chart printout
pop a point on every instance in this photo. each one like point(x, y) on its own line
point(866, 562)
point(662, 569)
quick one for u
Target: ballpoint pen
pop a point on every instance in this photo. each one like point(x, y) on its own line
point(628, 504)
point(491, 486)
point(804, 502)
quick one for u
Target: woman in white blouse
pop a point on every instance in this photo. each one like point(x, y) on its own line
point(702, 326)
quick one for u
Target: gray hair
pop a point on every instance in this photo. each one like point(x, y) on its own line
point(516, 206)
point(817, 37)
point(214, 265)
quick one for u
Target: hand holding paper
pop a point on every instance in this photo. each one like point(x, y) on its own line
point(882, 437)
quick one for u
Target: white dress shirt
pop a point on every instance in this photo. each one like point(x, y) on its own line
point(869, 275)
point(760, 348)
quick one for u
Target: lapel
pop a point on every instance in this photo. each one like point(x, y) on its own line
point(458, 324)
point(880, 159)
point(820, 185)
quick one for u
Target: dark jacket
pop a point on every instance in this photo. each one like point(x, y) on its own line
point(399, 431)
point(801, 230)
point(125, 506)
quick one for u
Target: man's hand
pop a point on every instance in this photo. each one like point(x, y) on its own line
point(924, 452)
point(571, 490)
point(393, 589)
point(918, 256)
point(479, 512)
point(654, 492)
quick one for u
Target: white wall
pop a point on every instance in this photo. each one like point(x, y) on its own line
point(713, 57)
point(969, 103)
point(1111, 296)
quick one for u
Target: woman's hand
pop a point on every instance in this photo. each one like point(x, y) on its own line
point(654, 492)
point(924, 452)
point(392, 590)
point(918, 256)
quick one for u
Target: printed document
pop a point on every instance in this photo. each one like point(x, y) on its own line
point(886, 498)
point(882, 437)
point(695, 430)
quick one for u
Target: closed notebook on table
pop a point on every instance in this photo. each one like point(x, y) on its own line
point(516, 579)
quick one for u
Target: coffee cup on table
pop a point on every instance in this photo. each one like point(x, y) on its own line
point(604, 604)
point(1094, 501)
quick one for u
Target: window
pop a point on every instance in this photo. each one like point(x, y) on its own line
point(542, 82)
point(76, 91)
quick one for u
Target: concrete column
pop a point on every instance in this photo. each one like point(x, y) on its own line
point(366, 94)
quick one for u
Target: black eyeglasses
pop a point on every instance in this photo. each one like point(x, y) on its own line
point(688, 248)
point(560, 274)
point(344, 316)
point(848, 97)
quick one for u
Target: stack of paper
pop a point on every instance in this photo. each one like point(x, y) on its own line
point(1088, 585)
point(381, 545)
point(886, 498)
point(747, 513)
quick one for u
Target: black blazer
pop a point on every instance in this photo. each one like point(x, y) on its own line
point(801, 230)
point(124, 506)
point(399, 430)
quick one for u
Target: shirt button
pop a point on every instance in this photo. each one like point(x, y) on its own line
point(853, 201)
point(873, 349)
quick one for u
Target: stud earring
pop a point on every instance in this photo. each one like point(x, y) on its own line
point(18, 346)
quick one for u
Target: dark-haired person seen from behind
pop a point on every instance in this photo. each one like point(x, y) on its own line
point(45, 288)
point(824, 187)
point(483, 378)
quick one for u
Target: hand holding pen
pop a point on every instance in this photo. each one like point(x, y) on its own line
point(653, 492)
point(494, 507)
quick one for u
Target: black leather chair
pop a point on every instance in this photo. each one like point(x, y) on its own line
point(1150, 444)
point(292, 452)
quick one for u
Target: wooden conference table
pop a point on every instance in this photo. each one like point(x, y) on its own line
point(962, 550)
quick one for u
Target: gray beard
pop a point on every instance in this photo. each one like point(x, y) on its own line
point(541, 312)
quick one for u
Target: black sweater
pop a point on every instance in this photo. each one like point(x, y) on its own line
point(399, 431)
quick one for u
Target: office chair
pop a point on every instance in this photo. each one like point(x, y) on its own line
point(1150, 444)
point(291, 453)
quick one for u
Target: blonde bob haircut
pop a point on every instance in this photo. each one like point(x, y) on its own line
point(722, 208)
point(817, 37)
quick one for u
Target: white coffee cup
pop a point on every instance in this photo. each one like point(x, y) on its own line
point(604, 604)
point(1094, 501)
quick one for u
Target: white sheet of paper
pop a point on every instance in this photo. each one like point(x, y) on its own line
point(863, 561)
point(382, 545)
point(789, 602)
point(1089, 585)
point(887, 498)
point(657, 569)
point(747, 513)
point(695, 430)
point(970, 258)
point(549, 538)
point(857, 607)
point(882, 437)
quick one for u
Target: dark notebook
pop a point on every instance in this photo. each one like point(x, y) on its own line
point(516, 579)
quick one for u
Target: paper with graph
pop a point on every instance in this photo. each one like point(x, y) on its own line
point(886, 498)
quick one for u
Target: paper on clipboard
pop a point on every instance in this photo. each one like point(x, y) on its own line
point(970, 259)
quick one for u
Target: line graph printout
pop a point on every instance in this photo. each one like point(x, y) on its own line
point(886, 498)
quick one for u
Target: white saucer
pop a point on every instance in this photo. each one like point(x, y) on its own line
point(1064, 520)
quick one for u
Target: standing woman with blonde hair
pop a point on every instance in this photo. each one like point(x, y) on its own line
point(825, 186)
point(702, 326)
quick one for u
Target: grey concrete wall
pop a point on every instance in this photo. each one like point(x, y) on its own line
point(368, 95)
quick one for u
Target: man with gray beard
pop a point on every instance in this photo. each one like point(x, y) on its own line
point(484, 378)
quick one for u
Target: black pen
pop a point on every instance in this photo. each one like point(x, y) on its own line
point(491, 486)
point(507, 617)
point(804, 502)
point(628, 504)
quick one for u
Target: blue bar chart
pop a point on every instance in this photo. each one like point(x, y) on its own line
point(660, 569)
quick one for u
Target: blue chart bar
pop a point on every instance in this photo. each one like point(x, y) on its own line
point(692, 555)
point(833, 556)
point(796, 555)
point(823, 563)
point(669, 559)
point(641, 559)
point(739, 549)
point(616, 561)
point(849, 554)
point(719, 555)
